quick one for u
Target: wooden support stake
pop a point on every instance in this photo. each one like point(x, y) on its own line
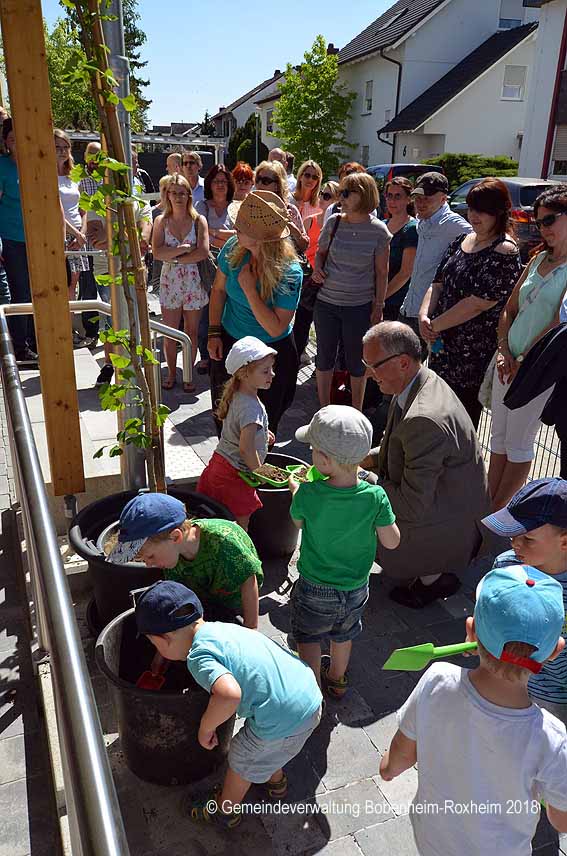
point(30, 101)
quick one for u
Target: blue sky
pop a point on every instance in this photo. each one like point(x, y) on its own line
point(202, 56)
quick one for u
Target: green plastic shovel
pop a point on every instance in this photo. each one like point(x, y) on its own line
point(416, 658)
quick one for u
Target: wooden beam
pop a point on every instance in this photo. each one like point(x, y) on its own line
point(30, 102)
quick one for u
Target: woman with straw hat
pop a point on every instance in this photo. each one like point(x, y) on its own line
point(255, 293)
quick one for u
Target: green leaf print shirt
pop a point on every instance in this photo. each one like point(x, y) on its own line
point(225, 560)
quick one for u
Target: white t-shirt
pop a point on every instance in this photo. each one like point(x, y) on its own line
point(482, 768)
point(69, 194)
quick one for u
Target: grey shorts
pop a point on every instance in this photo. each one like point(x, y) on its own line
point(256, 760)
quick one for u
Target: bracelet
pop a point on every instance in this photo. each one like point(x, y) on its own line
point(215, 328)
point(214, 336)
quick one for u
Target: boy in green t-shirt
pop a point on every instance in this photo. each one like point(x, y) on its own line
point(216, 558)
point(339, 519)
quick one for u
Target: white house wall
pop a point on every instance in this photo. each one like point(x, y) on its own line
point(549, 33)
point(479, 121)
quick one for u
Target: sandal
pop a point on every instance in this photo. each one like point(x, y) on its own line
point(169, 383)
point(334, 689)
point(202, 810)
point(189, 387)
point(277, 790)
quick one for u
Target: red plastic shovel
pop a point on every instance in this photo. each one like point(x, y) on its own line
point(148, 681)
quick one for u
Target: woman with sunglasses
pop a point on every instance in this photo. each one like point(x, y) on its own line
point(351, 268)
point(271, 176)
point(532, 309)
point(75, 217)
point(180, 240)
point(403, 227)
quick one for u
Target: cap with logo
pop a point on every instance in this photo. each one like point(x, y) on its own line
point(246, 350)
point(539, 502)
point(145, 515)
point(430, 183)
point(339, 431)
point(519, 604)
point(158, 607)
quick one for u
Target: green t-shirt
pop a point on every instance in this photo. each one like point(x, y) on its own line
point(225, 560)
point(338, 538)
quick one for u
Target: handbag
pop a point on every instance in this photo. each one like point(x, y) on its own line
point(310, 290)
point(207, 267)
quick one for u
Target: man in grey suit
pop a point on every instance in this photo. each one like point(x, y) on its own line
point(430, 465)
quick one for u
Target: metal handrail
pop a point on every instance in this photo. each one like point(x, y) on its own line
point(94, 810)
point(104, 308)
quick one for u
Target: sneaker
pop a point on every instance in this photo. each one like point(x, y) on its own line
point(26, 355)
point(78, 341)
point(106, 374)
point(207, 809)
point(416, 595)
point(90, 342)
point(276, 790)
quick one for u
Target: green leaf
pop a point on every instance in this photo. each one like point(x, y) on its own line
point(115, 451)
point(114, 165)
point(127, 374)
point(68, 3)
point(149, 357)
point(105, 279)
point(133, 423)
point(119, 362)
point(129, 103)
point(162, 413)
point(100, 453)
point(112, 97)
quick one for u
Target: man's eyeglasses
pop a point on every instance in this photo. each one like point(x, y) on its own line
point(265, 180)
point(381, 362)
point(346, 193)
point(310, 176)
point(326, 196)
point(549, 219)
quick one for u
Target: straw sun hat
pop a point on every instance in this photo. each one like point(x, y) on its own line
point(263, 216)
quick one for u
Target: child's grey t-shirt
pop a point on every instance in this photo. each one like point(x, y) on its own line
point(482, 768)
point(244, 410)
point(550, 684)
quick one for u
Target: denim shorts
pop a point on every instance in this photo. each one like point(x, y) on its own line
point(256, 760)
point(321, 612)
point(341, 324)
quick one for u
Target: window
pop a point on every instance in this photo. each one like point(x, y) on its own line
point(391, 20)
point(269, 121)
point(387, 116)
point(368, 96)
point(510, 14)
point(364, 155)
point(514, 83)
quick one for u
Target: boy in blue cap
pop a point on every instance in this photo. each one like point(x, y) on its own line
point(245, 673)
point(535, 520)
point(215, 557)
point(481, 747)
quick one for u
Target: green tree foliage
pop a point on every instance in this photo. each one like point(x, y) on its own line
point(71, 101)
point(311, 114)
point(242, 144)
point(462, 167)
point(207, 125)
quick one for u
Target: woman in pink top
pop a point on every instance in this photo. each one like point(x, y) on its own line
point(306, 198)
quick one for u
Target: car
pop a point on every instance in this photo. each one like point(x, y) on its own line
point(523, 192)
point(385, 172)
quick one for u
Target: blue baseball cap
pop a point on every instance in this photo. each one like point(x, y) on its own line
point(145, 515)
point(539, 502)
point(519, 604)
point(157, 606)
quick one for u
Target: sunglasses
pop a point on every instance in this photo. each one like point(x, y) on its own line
point(549, 219)
point(346, 193)
point(380, 362)
point(263, 179)
point(310, 176)
point(326, 196)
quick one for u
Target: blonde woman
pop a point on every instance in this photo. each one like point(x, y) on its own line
point(180, 240)
point(255, 293)
point(75, 217)
point(271, 176)
point(306, 198)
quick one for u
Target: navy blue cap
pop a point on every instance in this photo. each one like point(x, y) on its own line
point(156, 608)
point(145, 515)
point(539, 502)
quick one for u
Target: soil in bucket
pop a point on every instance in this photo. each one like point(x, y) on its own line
point(158, 729)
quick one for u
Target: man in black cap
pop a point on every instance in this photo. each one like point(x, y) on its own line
point(437, 227)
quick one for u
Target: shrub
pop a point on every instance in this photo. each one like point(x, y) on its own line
point(461, 167)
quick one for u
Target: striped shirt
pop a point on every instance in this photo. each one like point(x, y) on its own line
point(350, 264)
point(551, 683)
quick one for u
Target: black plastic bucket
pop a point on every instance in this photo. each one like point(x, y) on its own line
point(113, 583)
point(158, 729)
point(271, 527)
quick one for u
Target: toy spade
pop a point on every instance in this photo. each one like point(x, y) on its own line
point(416, 658)
point(148, 681)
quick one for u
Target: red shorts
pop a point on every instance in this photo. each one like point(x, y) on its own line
point(220, 481)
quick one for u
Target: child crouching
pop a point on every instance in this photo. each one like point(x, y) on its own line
point(245, 435)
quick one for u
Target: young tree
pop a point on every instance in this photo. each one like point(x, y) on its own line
point(311, 114)
point(207, 125)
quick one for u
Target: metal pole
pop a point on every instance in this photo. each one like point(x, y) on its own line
point(256, 164)
point(132, 462)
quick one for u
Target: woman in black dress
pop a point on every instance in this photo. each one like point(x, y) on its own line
point(459, 313)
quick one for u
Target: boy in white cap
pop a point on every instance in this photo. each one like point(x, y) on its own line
point(481, 746)
point(339, 518)
point(243, 444)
